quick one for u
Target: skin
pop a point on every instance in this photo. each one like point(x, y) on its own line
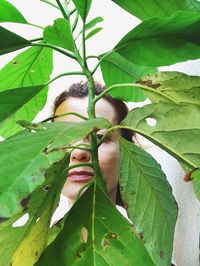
point(108, 152)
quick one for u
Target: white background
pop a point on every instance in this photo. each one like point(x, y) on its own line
point(116, 24)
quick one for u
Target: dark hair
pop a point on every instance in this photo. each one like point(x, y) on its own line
point(80, 90)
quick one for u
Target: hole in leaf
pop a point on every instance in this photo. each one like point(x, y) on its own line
point(151, 121)
point(21, 221)
point(105, 242)
point(37, 219)
point(84, 235)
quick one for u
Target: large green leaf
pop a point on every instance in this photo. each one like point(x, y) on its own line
point(11, 41)
point(83, 7)
point(9, 13)
point(116, 69)
point(172, 87)
point(23, 171)
point(151, 8)
point(30, 239)
point(100, 236)
point(60, 34)
point(14, 99)
point(149, 201)
point(32, 67)
point(175, 128)
point(163, 41)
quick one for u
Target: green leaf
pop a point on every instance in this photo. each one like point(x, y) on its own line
point(172, 87)
point(46, 197)
point(83, 7)
point(9, 13)
point(93, 23)
point(21, 175)
point(32, 67)
point(176, 129)
point(100, 236)
point(162, 41)
point(149, 201)
point(11, 41)
point(93, 32)
point(60, 34)
point(116, 69)
point(12, 100)
point(151, 8)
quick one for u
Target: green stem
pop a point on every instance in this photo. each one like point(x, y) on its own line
point(62, 75)
point(81, 189)
point(95, 68)
point(72, 11)
point(64, 13)
point(83, 44)
point(55, 48)
point(36, 39)
point(75, 22)
point(69, 147)
point(107, 132)
point(78, 165)
point(92, 56)
point(37, 26)
point(69, 113)
point(135, 85)
point(50, 3)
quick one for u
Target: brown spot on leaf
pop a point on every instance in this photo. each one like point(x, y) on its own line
point(120, 188)
point(36, 253)
point(35, 125)
point(128, 262)
point(132, 193)
point(15, 62)
point(78, 255)
point(187, 177)
point(24, 203)
point(149, 83)
point(84, 235)
point(140, 235)
point(41, 58)
point(3, 219)
point(161, 254)
point(113, 235)
point(155, 243)
point(105, 242)
point(125, 205)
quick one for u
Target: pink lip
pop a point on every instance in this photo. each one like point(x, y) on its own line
point(80, 176)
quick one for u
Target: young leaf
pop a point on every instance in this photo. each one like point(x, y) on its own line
point(19, 177)
point(176, 86)
point(83, 7)
point(149, 8)
point(162, 41)
point(32, 67)
point(9, 13)
point(176, 129)
point(60, 34)
point(11, 41)
point(100, 236)
point(93, 23)
point(12, 100)
point(93, 32)
point(116, 69)
point(149, 201)
point(46, 197)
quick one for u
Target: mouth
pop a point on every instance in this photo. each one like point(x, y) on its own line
point(80, 176)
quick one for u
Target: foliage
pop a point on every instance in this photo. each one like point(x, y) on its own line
point(34, 163)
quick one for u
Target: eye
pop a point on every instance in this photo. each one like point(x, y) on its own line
point(99, 136)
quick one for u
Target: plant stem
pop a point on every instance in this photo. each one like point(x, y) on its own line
point(135, 85)
point(64, 13)
point(36, 39)
point(83, 44)
point(75, 22)
point(37, 26)
point(69, 113)
point(50, 3)
point(55, 48)
point(97, 65)
point(62, 75)
point(69, 147)
point(81, 189)
point(78, 165)
point(72, 11)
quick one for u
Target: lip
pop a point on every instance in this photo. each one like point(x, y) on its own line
point(80, 176)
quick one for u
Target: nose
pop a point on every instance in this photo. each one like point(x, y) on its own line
point(78, 156)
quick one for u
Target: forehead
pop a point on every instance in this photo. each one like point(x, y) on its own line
point(80, 105)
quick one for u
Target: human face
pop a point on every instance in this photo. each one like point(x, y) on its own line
point(108, 152)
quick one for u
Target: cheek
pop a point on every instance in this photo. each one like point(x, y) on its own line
point(109, 159)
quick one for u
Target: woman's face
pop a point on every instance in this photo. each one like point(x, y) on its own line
point(108, 152)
